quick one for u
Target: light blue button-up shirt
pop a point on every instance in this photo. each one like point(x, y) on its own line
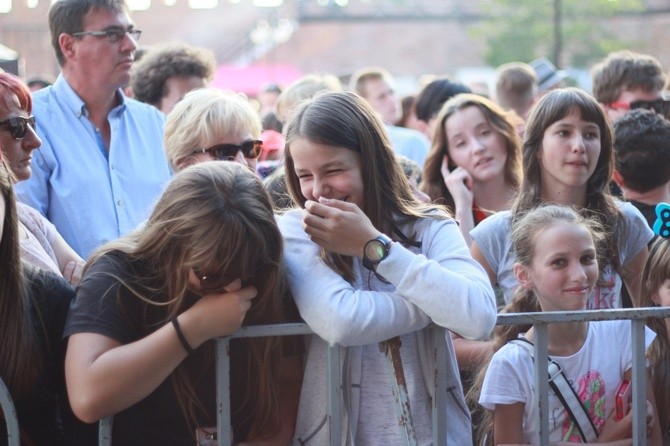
point(91, 195)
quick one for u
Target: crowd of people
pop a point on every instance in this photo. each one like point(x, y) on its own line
point(144, 214)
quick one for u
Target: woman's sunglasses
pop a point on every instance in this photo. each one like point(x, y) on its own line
point(216, 282)
point(18, 126)
point(227, 152)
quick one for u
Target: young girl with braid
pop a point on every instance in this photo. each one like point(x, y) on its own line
point(557, 268)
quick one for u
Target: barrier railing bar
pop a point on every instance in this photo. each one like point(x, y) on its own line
point(105, 431)
point(11, 419)
point(440, 398)
point(541, 382)
point(256, 331)
point(391, 350)
point(582, 316)
point(224, 432)
point(334, 395)
point(637, 316)
point(639, 384)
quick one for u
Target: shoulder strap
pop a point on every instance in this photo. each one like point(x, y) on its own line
point(565, 393)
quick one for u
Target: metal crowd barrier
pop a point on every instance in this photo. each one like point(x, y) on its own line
point(637, 316)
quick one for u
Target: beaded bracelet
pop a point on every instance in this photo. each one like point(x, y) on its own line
point(180, 335)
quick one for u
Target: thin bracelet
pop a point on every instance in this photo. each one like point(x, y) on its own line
point(180, 335)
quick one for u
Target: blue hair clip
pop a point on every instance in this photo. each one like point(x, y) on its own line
point(662, 223)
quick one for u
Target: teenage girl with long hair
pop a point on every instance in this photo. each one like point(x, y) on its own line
point(369, 262)
point(656, 292)
point(33, 308)
point(473, 165)
point(568, 160)
point(557, 268)
point(149, 304)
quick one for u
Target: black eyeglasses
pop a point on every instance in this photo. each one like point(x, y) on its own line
point(18, 126)
point(227, 152)
point(660, 105)
point(113, 35)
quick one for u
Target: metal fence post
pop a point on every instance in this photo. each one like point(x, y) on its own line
point(391, 350)
point(334, 395)
point(639, 383)
point(440, 397)
point(541, 382)
point(224, 433)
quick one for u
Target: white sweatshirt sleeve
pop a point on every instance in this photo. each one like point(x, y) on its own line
point(447, 287)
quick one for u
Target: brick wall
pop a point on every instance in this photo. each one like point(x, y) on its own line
point(411, 48)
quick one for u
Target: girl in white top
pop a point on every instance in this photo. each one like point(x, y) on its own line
point(368, 262)
point(557, 267)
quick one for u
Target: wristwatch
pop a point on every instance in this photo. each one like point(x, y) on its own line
point(375, 251)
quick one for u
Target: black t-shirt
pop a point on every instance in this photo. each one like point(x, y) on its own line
point(39, 414)
point(105, 306)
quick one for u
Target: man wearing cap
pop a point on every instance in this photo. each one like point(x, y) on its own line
point(626, 80)
point(548, 77)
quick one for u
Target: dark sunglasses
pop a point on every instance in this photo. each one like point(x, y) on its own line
point(660, 105)
point(216, 282)
point(18, 126)
point(227, 152)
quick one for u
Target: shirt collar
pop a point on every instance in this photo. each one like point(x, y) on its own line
point(76, 104)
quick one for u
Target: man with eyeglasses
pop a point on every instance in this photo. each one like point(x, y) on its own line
point(626, 81)
point(102, 164)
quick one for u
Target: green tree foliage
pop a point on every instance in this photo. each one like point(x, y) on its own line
point(522, 30)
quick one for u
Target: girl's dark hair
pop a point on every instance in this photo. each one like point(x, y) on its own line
point(343, 119)
point(525, 231)
point(216, 216)
point(434, 95)
point(554, 106)
point(20, 358)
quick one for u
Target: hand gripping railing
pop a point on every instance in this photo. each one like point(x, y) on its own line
point(637, 317)
point(9, 412)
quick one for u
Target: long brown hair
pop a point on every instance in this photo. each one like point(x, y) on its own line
point(600, 205)
point(502, 122)
point(656, 271)
point(525, 231)
point(345, 120)
point(216, 216)
point(20, 358)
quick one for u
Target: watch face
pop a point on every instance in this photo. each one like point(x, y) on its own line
point(375, 250)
